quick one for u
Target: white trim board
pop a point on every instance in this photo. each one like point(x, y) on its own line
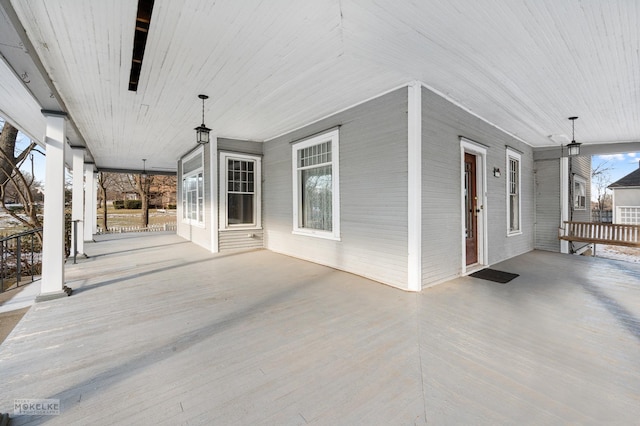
point(467, 145)
point(213, 194)
point(414, 187)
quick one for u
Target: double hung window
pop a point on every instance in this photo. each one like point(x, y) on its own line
point(240, 195)
point(513, 193)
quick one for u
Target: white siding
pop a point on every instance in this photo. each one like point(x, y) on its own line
point(373, 182)
point(240, 239)
point(236, 145)
point(247, 238)
point(443, 124)
point(200, 235)
point(581, 166)
point(627, 196)
point(547, 174)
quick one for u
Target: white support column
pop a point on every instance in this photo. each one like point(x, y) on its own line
point(415, 187)
point(564, 199)
point(213, 156)
point(89, 202)
point(94, 218)
point(77, 200)
point(53, 254)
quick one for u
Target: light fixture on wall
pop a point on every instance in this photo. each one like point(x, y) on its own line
point(202, 131)
point(574, 147)
point(496, 172)
point(144, 168)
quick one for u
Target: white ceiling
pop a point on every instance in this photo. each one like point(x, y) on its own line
point(272, 66)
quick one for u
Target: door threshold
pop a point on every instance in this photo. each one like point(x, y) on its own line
point(475, 267)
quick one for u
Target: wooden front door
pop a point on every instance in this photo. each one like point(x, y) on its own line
point(471, 209)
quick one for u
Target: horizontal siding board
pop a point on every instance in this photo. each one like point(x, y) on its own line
point(442, 125)
point(548, 206)
point(373, 194)
point(197, 234)
point(240, 239)
point(236, 145)
point(581, 166)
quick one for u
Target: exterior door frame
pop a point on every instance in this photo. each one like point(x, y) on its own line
point(480, 151)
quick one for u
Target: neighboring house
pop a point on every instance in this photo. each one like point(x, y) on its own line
point(626, 199)
point(404, 189)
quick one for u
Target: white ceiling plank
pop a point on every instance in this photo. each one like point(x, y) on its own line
point(273, 66)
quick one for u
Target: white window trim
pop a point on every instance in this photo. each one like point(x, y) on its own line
point(257, 205)
point(583, 181)
point(334, 137)
point(518, 157)
point(200, 223)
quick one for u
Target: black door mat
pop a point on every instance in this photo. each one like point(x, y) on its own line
point(494, 275)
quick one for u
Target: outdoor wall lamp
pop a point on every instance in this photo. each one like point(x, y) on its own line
point(574, 147)
point(496, 172)
point(202, 131)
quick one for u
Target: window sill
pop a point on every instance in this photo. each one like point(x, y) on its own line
point(323, 235)
point(514, 233)
point(241, 228)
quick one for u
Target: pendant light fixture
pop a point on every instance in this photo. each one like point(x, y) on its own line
point(574, 147)
point(202, 131)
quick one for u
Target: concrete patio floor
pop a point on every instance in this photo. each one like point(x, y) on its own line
point(159, 331)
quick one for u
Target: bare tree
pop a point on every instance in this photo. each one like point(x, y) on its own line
point(105, 181)
point(163, 189)
point(11, 177)
point(601, 178)
point(143, 186)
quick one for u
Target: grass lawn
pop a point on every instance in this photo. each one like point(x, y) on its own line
point(131, 217)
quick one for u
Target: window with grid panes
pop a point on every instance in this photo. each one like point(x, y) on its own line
point(316, 200)
point(193, 189)
point(241, 183)
point(513, 192)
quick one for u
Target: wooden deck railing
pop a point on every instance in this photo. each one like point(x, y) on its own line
point(601, 233)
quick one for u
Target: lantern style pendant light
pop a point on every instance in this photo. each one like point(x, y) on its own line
point(202, 131)
point(574, 147)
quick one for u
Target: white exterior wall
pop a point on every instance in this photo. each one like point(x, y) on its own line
point(548, 211)
point(627, 197)
point(373, 192)
point(442, 126)
point(581, 167)
point(203, 235)
point(232, 239)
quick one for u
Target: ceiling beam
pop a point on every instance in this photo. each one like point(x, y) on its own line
point(138, 171)
point(587, 149)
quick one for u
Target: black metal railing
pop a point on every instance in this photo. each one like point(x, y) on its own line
point(20, 256)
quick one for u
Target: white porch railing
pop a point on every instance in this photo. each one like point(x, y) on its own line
point(601, 233)
point(150, 228)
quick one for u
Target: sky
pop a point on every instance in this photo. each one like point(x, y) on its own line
point(620, 165)
point(22, 142)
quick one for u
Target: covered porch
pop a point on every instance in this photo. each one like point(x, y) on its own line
point(160, 330)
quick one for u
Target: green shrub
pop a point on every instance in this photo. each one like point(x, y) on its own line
point(118, 204)
point(171, 206)
point(132, 204)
